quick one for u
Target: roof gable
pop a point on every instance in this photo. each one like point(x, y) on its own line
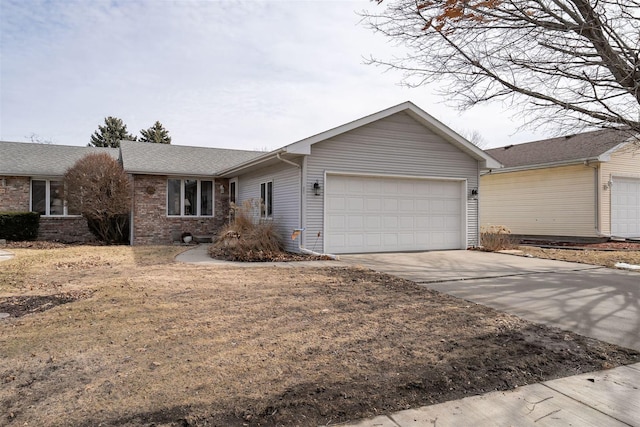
point(165, 159)
point(421, 116)
point(596, 145)
point(303, 147)
point(33, 159)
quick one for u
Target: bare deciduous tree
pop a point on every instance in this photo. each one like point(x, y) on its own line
point(99, 189)
point(567, 64)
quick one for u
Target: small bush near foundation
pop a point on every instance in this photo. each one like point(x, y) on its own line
point(248, 238)
point(18, 226)
point(495, 238)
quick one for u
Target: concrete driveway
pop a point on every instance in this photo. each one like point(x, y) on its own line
point(594, 301)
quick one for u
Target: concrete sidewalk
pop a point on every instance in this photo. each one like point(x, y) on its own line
point(604, 398)
point(4, 255)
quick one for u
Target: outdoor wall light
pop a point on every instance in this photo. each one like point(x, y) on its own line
point(316, 188)
point(474, 192)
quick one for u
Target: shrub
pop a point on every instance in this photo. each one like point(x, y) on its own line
point(496, 238)
point(99, 189)
point(249, 237)
point(18, 226)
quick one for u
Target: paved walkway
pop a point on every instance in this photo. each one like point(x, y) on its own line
point(604, 398)
point(199, 255)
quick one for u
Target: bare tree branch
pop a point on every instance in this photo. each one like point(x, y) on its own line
point(567, 63)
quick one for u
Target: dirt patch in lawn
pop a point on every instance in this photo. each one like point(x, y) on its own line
point(158, 343)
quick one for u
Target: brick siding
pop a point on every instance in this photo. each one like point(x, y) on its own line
point(14, 193)
point(153, 226)
point(72, 229)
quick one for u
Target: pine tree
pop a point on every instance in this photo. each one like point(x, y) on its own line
point(156, 133)
point(110, 134)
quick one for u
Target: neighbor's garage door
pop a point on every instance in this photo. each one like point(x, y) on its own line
point(382, 214)
point(625, 207)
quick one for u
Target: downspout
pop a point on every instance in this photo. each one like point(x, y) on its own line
point(596, 179)
point(133, 206)
point(302, 229)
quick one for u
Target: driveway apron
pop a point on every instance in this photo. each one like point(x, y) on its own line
point(598, 302)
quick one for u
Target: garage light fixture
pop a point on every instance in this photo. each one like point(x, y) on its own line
point(316, 188)
point(474, 193)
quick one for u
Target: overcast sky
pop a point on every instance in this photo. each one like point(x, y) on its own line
point(233, 74)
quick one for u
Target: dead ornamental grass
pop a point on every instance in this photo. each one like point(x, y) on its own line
point(169, 343)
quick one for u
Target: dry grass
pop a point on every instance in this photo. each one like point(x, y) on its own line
point(604, 258)
point(495, 238)
point(249, 237)
point(155, 342)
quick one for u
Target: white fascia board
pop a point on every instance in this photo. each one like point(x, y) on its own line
point(606, 156)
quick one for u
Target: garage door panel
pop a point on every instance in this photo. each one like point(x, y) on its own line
point(335, 203)
point(625, 207)
point(389, 223)
point(373, 204)
point(355, 223)
point(373, 223)
point(406, 205)
point(389, 205)
point(406, 223)
point(376, 214)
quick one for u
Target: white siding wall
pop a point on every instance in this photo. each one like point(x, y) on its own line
point(394, 145)
point(286, 196)
point(625, 162)
point(546, 202)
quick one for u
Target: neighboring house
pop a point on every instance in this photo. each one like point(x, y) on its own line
point(578, 186)
point(397, 180)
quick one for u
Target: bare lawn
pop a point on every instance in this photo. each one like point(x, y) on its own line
point(121, 336)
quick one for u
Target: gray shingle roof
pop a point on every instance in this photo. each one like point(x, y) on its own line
point(30, 159)
point(164, 159)
point(569, 148)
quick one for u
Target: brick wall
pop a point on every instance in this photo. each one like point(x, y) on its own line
point(14, 193)
point(14, 197)
point(153, 226)
point(65, 229)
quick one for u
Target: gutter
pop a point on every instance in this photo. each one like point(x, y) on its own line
point(546, 165)
point(260, 159)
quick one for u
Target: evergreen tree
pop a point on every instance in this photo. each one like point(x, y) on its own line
point(110, 134)
point(156, 133)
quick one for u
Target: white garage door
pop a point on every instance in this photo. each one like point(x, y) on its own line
point(625, 207)
point(381, 214)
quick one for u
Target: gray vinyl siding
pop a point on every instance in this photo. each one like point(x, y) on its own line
point(396, 145)
point(286, 197)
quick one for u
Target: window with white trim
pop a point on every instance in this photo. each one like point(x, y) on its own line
point(47, 198)
point(189, 197)
point(266, 199)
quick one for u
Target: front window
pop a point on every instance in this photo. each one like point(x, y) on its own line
point(47, 198)
point(266, 199)
point(189, 197)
